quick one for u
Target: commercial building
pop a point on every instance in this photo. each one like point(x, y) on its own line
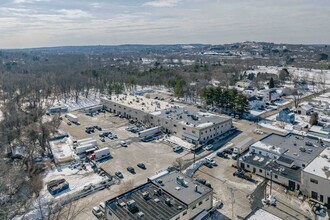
point(316, 178)
point(282, 158)
point(170, 196)
point(192, 126)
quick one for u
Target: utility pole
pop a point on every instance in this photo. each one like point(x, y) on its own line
point(232, 203)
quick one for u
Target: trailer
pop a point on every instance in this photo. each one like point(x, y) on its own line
point(84, 148)
point(100, 154)
point(149, 132)
point(83, 140)
point(72, 117)
point(242, 146)
point(92, 141)
point(56, 186)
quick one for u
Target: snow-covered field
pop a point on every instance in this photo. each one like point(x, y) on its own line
point(315, 75)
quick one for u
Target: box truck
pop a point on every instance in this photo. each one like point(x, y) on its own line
point(72, 118)
point(242, 146)
point(100, 154)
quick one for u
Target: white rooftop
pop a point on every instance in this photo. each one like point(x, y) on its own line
point(262, 214)
point(268, 147)
point(318, 129)
point(140, 103)
point(320, 166)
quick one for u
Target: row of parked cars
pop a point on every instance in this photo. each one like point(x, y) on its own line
point(91, 129)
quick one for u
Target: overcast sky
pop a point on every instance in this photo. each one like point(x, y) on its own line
point(39, 23)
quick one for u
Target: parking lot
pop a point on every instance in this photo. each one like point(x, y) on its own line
point(223, 182)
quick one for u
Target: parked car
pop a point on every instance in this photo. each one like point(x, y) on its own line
point(102, 139)
point(97, 211)
point(208, 164)
point(131, 170)
point(178, 149)
point(141, 165)
point(228, 150)
point(211, 161)
point(123, 144)
point(208, 147)
point(202, 181)
point(242, 174)
point(119, 174)
point(115, 136)
point(222, 155)
point(69, 123)
point(98, 128)
point(102, 206)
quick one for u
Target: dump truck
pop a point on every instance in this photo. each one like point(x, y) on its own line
point(100, 154)
point(83, 148)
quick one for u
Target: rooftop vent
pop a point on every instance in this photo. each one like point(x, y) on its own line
point(145, 195)
point(156, 200)
point(177, 188)
point(302, 149)
point(168, 201)
point(140, 214)
point(180, 207)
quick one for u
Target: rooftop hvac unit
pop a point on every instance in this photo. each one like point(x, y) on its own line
point(140, 214)
point(156, 200)
point(145, 195)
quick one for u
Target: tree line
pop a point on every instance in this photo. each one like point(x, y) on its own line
point(230, 100)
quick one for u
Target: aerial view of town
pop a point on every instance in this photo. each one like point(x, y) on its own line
point(164, 110)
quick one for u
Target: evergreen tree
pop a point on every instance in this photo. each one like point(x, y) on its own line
point(271, 83)
point(314, 118)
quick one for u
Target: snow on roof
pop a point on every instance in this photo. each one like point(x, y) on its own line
point(267, 147)
point(318, 129)
point(204, 125)
point(262, 214)
point(320, 166)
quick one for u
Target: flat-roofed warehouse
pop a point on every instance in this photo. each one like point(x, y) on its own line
point(169, 196)
point(282, 158)
point(192, 126)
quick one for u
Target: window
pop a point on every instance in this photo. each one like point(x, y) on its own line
point(174, 125)
point(152, 117)
point(194, 132)
point(247, 165)
point(321, 198)
point(184, 213)
point(303, 165)
point(205, 132)
point(177, 218)
point(207, 199)
point(184, 128)
point(259, 152)
point(124, 108)
point(194, 207)
point(260, 170)
point(314, 181)
point(201, 132)
point(276, 176)
point(200, 203)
